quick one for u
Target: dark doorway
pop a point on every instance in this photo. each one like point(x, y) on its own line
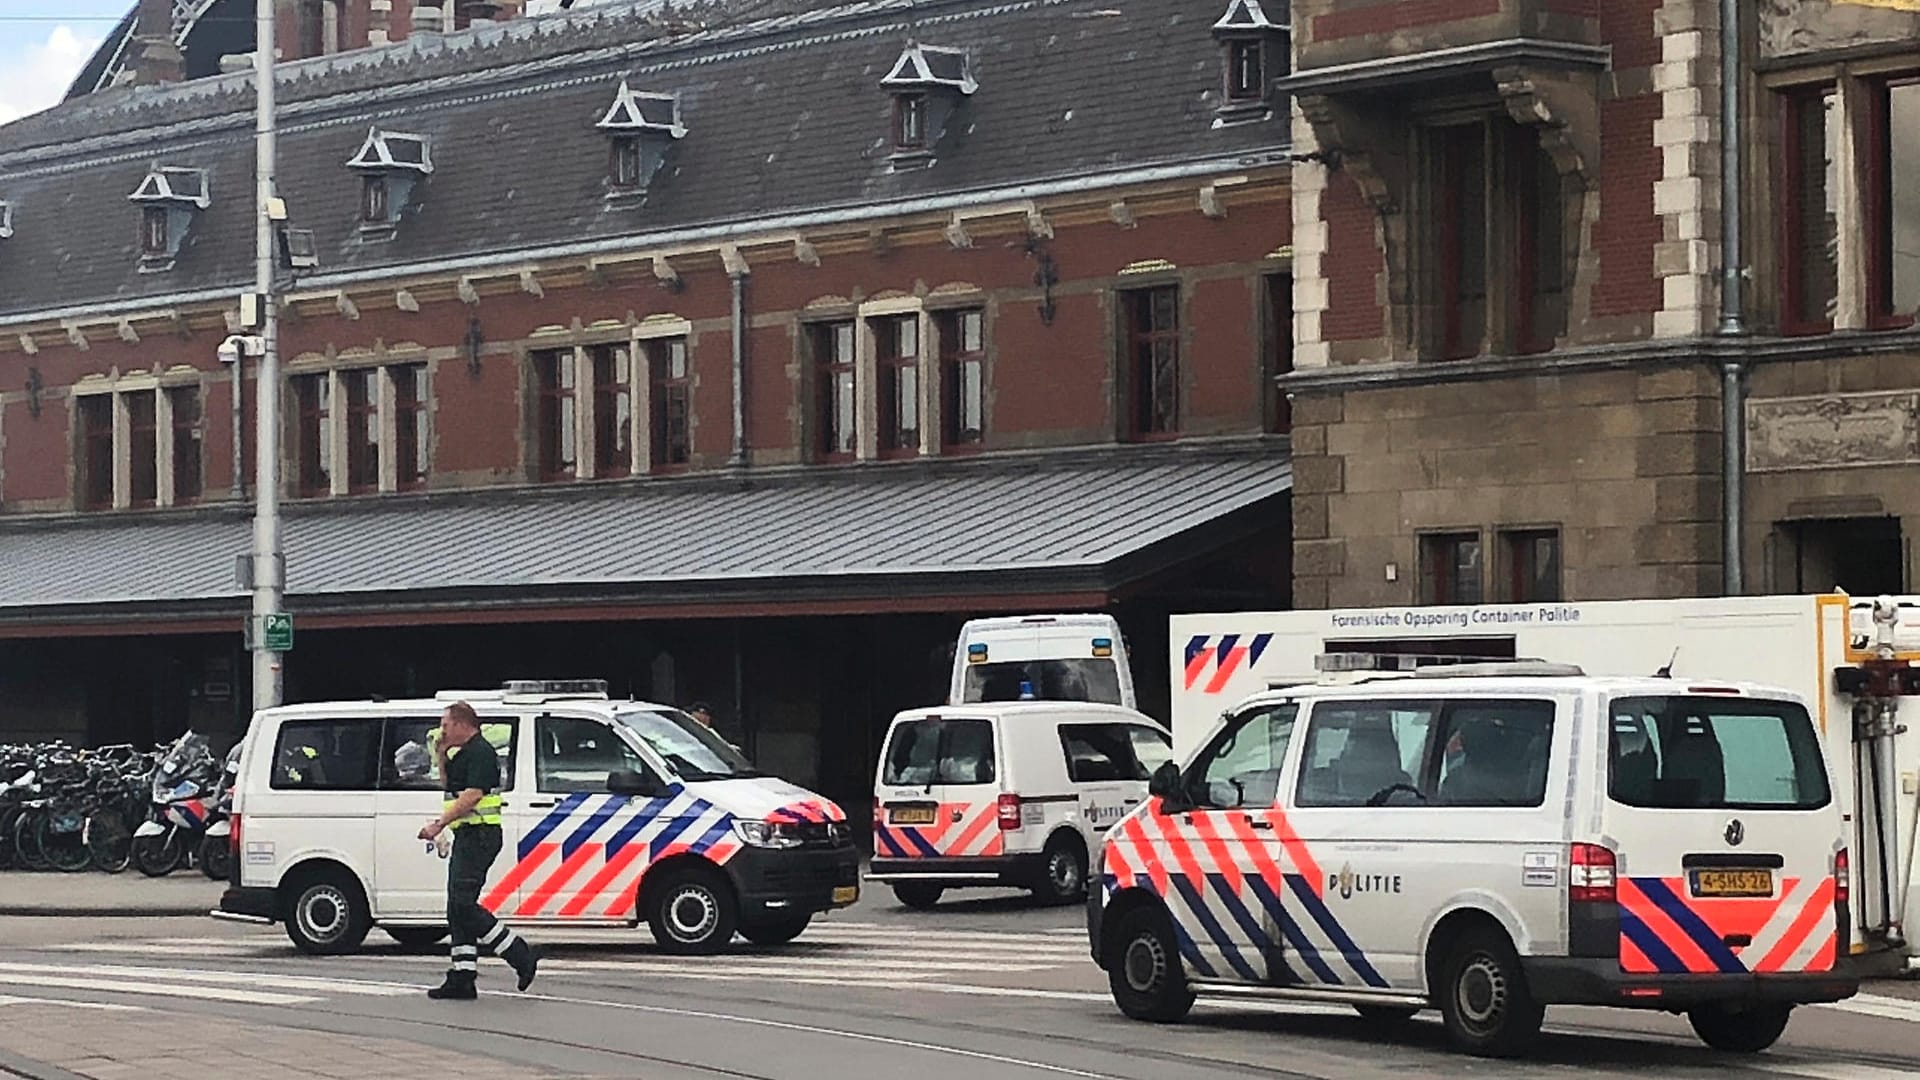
point(1863, 556)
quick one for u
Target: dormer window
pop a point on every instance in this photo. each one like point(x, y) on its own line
point(910, 122)
point(390, 163)
point(6, 220)
point(927, 83)
point(1253, 50)
point(642, 126)
point(168, 198)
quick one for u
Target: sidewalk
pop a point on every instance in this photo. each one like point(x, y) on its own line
point(130, 894)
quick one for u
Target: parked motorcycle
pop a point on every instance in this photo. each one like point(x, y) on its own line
point(216, 858)
point(180, 810)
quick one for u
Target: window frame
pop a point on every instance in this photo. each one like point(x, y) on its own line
point(1193, 774)
point(1434, 579)
point(950, 326)
point(910, 122)
point(1792, 217)
point(1277, 294)
point(638, 754)
point(556, 415)
point(898, 372)
point(1442, 735)
point(1142, 341)
point(365, 440)
point(612, 432)
point(1876, 188)
point(831, 443)
point(376, 200)
point(156, 232)
point(1237, 50)
point(626, 165)
point(143, 472)
point(1517, 554)
point(1421, 775)
point(412, 450)
point(1129, 766)
point(313, 439)
point(188, 472)
point(376, 726)
point(666, 392)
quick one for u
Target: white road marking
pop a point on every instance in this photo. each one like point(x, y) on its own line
point(262, 980)
point(101, 1006)
point(1829, 1070)
point(1879, 1006)
point(153, 989)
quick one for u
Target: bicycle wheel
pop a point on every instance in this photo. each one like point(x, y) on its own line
point(63, 851)
point(109, 841)
point(7, 815)
point(26, 840)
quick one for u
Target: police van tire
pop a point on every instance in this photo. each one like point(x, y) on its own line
point(1484, 999)
point(327, 914)
point(1740, 1030)
point(776, 933)
point(918, 895)
point(693, 913)
point(417, 938)
point(1063, 870)
point(1144, 974)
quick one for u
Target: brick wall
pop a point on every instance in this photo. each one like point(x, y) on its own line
point(1353, 265)
point(1388, 16)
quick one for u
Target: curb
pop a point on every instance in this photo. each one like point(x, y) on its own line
point(176, 911)
point(15, 1065)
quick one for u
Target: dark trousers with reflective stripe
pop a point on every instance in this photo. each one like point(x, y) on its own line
point(474, 849)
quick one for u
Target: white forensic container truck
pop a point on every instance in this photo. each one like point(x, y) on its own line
point(1851, 659)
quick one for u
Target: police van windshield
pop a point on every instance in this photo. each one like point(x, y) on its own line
point(694, 750)
point(1083, 678)
point(1714, 753)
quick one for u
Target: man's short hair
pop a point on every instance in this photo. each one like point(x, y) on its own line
point(464, 713)
point(700, 706)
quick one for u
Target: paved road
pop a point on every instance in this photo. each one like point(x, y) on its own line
point(976, 990)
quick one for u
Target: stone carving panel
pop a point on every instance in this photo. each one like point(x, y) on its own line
point(1833, 431)
point(1801, 27)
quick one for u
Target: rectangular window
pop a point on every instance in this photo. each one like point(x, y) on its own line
point(313, 435)
point(672, 402)
point(897, 348)
point(1539, 279)
point(1460, 241)
point(1246, 71)
point(557, 425)
point(926, 752)
point(1366, 753)
point(1893, 205)
point(410, 425)
point(1701, 753)
point(96, 451)
point(1809, 212)
point(835, 404)
point(363, 429)
point(1450, 569)
point(963, 370)
point(153, 231)
point(373, 201)
point(143, 437)
point(1279, 411)
point(1494, 753)
point(626, 163)
point(575, 754)
point(1101, 753)
point(326, 755)
point(187, 437)
point(612, 410)
point(407, 761)
point(1153, 356)
point(1242, 766)
point(910, 122)
point(1533, 565)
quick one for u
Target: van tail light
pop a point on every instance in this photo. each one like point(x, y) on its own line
point(1009, 812)
point(1842, 867)
point(233, 836)
point(1591, 875)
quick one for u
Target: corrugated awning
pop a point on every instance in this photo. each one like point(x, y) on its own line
point(1020, 524)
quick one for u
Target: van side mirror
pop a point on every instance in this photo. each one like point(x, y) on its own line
point(1165, 782)
point(632, 783)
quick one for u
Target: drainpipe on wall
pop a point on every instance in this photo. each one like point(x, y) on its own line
point(239, 429)
point(739, 457)
point(1733, 430)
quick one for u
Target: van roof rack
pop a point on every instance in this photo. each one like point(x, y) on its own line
point(532, 689)
point(1435, 665)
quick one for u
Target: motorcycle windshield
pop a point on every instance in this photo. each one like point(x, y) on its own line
point(188, 754)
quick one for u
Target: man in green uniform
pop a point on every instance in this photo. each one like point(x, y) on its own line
point(470, 774)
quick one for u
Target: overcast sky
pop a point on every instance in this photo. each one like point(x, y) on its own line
point(44, 43)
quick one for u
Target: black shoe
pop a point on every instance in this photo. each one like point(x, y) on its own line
point(529, 966)
point(458, 987)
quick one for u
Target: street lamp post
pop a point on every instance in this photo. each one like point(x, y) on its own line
point(268, 565)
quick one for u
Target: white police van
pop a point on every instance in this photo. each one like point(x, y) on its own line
point(616, 813)
point(1489, 840)
point(1006, 794)
point(1043, 658)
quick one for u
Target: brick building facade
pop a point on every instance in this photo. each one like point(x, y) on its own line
point(1512, 370)
point(738, 362)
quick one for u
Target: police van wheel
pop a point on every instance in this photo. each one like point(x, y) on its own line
point(776, 933)
point(1063, 871)
point(918, 895)
point(1740, 1030)
point(1145, 974)
point(693, 912)
point(327, 915)
point(1484, 999)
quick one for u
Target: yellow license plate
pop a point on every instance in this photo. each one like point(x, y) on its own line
point(912, 815)
point(1732, 882)
point(846, 894)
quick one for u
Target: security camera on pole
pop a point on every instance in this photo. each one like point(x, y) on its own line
point(270, 630)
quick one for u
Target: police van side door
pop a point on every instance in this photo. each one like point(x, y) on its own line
point(1215, 854)
point(582, 847)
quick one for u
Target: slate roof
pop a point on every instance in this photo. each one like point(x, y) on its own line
point(1056, 522)
point(785, 116)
